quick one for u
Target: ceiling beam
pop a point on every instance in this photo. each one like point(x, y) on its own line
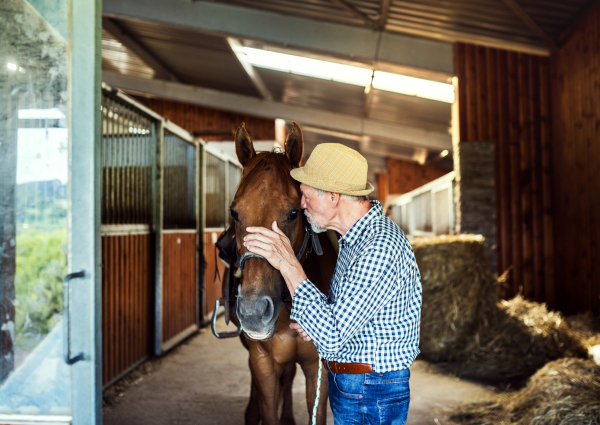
point(531, 24)
point(401, 134)
point(384, 12)
point(369, 23)
point(257, 81)
point(344, 41)
point(143, 53)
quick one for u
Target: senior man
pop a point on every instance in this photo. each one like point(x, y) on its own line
point(367, 329)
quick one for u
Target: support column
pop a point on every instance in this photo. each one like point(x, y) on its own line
point(475, 193)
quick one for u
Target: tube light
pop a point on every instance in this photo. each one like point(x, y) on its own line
point(414, 86)
point(350, 74)
point(11, 66)
point(309, 67)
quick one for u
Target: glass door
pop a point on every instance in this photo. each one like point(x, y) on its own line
point(49, 110)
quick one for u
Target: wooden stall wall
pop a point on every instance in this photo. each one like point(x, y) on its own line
point(404, 176)
point(127, 299)
point(205, 120)
point(179, 284)
point(504, 97)
point(212, 286)
point(576, 125)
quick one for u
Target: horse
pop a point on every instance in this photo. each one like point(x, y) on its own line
point(267, 193)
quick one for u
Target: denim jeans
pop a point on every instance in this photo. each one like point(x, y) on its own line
point(370, 398)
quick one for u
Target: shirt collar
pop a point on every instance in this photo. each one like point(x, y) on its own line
point(357, 229)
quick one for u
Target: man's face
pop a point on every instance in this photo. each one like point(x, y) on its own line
point(316, 208)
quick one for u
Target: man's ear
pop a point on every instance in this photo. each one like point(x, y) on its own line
point(334, 198)
point(244, 149)
point(294, 145)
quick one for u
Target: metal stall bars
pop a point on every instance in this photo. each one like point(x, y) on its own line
point(129, 134)
point(180, 236)
point(428, 210)
point(221, 177)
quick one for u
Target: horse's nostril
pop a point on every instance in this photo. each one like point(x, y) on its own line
point(268, 312)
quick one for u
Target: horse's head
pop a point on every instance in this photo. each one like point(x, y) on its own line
point(266, 193)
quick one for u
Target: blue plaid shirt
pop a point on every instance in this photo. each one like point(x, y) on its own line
point(373, 312)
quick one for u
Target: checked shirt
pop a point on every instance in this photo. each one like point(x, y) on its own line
point(373, 311)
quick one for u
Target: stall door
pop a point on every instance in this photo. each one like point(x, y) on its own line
point(49, 223)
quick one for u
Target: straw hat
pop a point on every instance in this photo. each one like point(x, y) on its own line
point(335, 168)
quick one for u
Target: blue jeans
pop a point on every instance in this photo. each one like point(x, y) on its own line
point(370, 398)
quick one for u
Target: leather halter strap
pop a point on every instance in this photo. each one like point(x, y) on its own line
point(309, 234)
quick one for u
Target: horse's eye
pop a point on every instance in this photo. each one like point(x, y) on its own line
point(293, 215)
point(234, 214)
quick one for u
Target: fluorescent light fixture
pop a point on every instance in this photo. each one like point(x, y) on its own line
point(309, 67)
point(414, 86)
point(41, 114)
point(11, 66)
point(350, 74)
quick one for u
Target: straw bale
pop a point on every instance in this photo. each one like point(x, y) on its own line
point(457, 289)
point(464, 323)
point(563, 392)
point(518, 338)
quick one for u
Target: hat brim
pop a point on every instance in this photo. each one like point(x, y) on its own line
point(298, 174)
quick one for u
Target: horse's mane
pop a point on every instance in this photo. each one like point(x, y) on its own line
point(275, 161)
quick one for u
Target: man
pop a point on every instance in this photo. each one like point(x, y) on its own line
point(367, 330)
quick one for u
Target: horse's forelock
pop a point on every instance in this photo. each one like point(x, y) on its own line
point(273, 161)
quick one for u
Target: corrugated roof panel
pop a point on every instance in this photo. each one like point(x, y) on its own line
point(314, 93)
point(453, 20)
point(325, 10)
point(410, 110)
point(196, 58)
point(552, 16)
point(118, 58)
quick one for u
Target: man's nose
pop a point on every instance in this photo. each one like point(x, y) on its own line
point(303, 202)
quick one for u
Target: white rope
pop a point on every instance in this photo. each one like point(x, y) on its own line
point(314, 414)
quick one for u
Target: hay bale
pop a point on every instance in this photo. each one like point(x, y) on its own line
point(517, 339)
point(564, 392)
point(463, 323)
point(457, 289)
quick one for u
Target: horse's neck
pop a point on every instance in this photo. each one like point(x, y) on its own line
point(320, 268)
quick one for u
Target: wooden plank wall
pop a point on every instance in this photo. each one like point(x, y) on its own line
point(199, 118)
point(179, 283)
point(212, 286)
point(576, 125)
point(405, 176)
point(504, 97)
point(127, 296)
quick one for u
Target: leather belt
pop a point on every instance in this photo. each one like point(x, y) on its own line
point(350, 368)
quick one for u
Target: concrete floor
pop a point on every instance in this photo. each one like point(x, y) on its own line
point(207, 381)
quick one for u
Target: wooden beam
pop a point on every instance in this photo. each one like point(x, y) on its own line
point(405, 135)
point(237, 48)
point(384, 13)
point(142, 52)
point(370, 23)
point(531, 24)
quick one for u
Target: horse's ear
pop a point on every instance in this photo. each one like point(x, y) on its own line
point(294, 145)
point(244, 149)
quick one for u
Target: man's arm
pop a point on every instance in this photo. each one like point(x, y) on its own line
point(368, 285)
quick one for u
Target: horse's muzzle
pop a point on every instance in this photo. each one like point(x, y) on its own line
point(256, 314)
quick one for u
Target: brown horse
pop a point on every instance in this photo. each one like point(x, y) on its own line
point(267, 193)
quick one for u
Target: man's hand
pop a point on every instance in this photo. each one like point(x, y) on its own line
point(301, 331)
point(275, 246)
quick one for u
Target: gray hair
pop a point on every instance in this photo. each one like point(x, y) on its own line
point(349, 198)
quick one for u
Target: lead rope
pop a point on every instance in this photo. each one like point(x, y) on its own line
point(314, 414)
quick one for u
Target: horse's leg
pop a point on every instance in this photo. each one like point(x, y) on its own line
point(311, 372)
point(266, 374)
point(287, 382)
point(252, 415)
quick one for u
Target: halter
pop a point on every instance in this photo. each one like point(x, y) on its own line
point(309, 234)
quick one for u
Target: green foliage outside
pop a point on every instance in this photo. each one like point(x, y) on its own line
point(41, 266)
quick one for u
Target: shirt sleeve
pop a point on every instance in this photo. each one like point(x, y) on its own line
point(365, 287)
